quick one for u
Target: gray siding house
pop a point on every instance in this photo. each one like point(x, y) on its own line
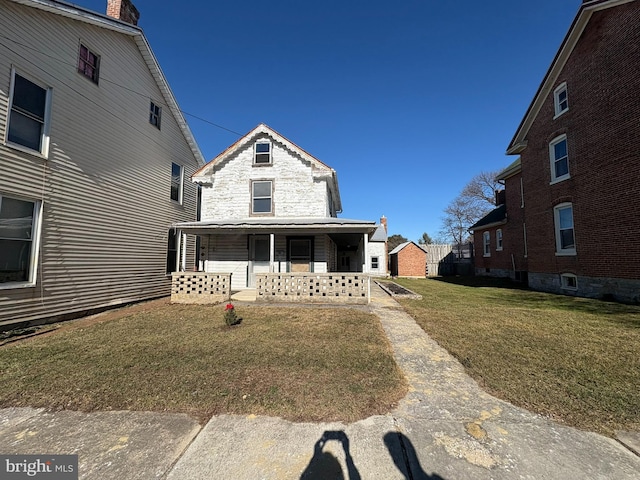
point(94, 153)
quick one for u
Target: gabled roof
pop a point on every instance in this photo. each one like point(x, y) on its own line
point(87, 16)
point(403, 245)
point(513, 169)
point(321, 169)
point(380, 235)
point(519, 143)
point(497, 216)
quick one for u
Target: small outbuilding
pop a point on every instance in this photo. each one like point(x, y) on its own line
point(408, 260)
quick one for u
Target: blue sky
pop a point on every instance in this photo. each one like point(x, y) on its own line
point(406, 100)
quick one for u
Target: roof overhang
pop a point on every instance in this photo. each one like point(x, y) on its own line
point(296, 226)
point(487, 226)
point(513, 169)
point(587, 9)
point(93, 18)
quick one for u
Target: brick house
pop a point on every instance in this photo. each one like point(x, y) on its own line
point(408, 260)
point(573, 196)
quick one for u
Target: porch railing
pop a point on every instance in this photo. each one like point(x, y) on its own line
point(336, 288)
point(200, 287)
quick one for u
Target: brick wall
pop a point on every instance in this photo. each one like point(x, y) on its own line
point(603, 141)
point(412, 261)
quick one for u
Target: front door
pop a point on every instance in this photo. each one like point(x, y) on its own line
point(259, 248)
point(300, 255)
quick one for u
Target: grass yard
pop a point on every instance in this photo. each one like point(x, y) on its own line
point(298, 363)
point(573, 359)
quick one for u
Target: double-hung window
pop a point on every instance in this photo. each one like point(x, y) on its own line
point(565, 238)
point(374, 263)
point(29, 114)
point(559, 158)
point(560, 99)
point(155, 115)
point(261, 197)
point(486, 244)
point(177, 181)
point(19, 236)
point(499, 239)
point(262, 154)
point(88, 64)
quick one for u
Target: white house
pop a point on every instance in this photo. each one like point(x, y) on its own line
point(268, 206)
point(93, 155)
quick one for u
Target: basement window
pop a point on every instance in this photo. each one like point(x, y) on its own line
point(569, 281)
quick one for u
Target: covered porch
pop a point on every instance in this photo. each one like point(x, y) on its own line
point(287, 259)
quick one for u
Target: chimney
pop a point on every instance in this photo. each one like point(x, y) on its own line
point(383, 221)
point(123, 10)
point(501, 197)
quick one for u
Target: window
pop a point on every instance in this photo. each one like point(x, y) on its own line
point(262, 153)
point(177, 175)
point(261, 197)
point(19, 234)
point(173, 241)
point(374, 263)
point(155, 114)
point(486, 244)
point(560, 99)
point(88, 64)
point(499, 239)
point(29, 114)
point(565, 242)
point(569, 281)
point(559, 159)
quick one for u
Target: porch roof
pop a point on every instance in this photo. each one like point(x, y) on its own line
point(277, 225)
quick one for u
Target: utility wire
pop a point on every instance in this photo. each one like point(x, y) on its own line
point(103, 79)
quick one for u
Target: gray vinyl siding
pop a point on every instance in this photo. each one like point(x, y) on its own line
point(105, 186)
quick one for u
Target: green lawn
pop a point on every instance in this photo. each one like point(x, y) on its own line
point(297, 363)
point(573, 359)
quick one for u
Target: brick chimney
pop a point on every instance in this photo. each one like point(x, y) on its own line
point(383, 221)
point(123, 10)
point(501, 197)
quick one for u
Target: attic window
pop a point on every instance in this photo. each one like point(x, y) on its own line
point(262, 153)
point(88, 64)
point(155, 115)
point(560, 99)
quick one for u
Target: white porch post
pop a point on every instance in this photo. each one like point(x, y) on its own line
point(183, 257)
point(365, 265)
point(272, 251)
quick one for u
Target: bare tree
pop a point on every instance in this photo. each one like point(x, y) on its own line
point(474, 202)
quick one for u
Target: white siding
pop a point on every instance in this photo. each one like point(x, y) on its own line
point(106, 184)
point(296, 193)
point(229, 254)
point(378, 249)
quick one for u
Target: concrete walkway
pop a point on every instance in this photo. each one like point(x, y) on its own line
point(445, 428)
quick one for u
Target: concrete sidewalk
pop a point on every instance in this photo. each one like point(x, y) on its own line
point(445, 428)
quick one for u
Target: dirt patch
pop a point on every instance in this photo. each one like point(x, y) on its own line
point(396, 290)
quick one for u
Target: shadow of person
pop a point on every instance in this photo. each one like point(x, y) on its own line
point(404, 456)
point(324, 465)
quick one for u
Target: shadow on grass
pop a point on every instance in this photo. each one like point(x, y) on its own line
point(624, 314)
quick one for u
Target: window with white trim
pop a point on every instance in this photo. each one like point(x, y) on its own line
point(19, 238)
point(569, 281)
point(565, 238)
point(88, 64)
point(486, 244)
point(559, 158)
point(155, 115)
point(29, 114)
point(499, 240)
point(560, 99)
point(374, 263)
point(262, 153)
point(261, 197)
point(177, 182)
